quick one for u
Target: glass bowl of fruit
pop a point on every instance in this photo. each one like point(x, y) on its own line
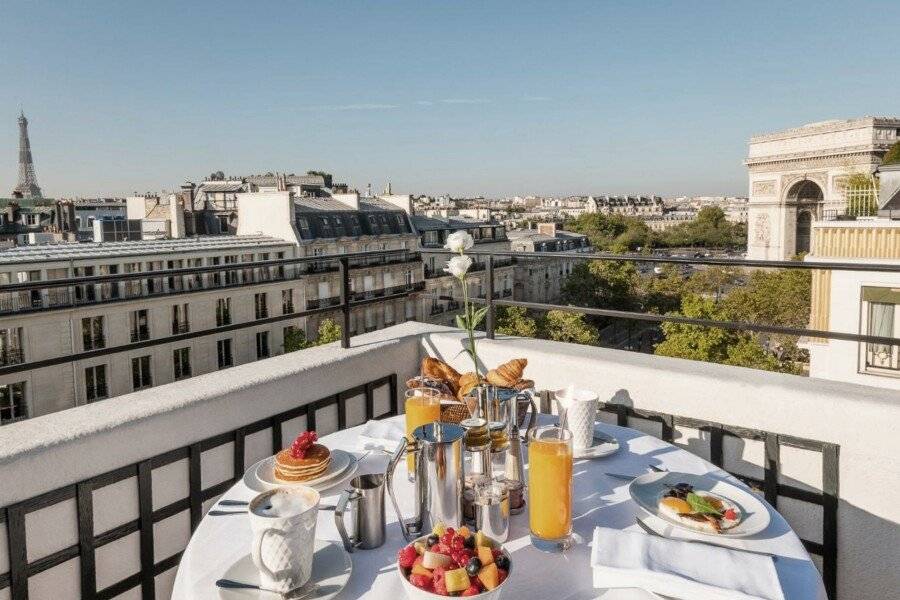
point(453, 562)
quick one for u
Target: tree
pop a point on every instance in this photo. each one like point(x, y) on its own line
point(514, 320)
point(713, 281)
point(616, 233)
point(712, 344)
point(295, 339)
point(602, 284)
point(710, 229)
point(564, 326)
point(893, 155)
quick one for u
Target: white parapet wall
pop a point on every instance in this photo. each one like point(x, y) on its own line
point(863, 420)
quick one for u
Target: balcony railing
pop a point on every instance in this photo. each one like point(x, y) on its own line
point(80, 291)
point(139, 335)
point(316, 303)
point(180, 327)
point(489, 259)
point(779, 436)
point(223, 318)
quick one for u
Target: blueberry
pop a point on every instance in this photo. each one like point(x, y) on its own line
point(474, 566)
point(432, 540)
point(502, 562)
point(469, 542)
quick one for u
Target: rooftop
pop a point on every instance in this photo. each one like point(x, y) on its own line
point(424, 223)
point(75, 251)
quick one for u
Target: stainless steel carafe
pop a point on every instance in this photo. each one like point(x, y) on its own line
point(439, 477)
point(365, 497)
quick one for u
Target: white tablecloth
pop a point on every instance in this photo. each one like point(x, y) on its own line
point(598, 499)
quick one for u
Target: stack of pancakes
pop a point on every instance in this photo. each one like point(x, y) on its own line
point(312, 465)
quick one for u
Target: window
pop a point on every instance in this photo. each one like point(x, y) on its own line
point(140, 326)
point(262, 344)
point(180, 322)
point(223, 223)
point(223, 349)
point(410, 310)
point(12, 403)
point(140, 372)
point(287, 302)
point(223, 312)
point(261, 305)
point(303, 224)
point(109, 291)
point(388, 314)
point(231, 277)
point(181, 358)
point(85, 292)
point(92, 333)
point(881, 317)
point(215, 277)
point(11, 346)
point(95, 383)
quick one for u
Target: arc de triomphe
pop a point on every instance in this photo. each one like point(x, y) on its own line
point(798, 176)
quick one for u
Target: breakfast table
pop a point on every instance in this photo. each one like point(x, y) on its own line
point(599, 499)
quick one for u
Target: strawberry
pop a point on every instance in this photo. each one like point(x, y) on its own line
point(457, 543)
point(438, 574)
point(473, 590)
point(501, 575)
point(440, 587)
point(730, 514)
point(407, 557)
point(421, 581)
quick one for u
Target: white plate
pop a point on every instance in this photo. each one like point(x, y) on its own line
point(647, 489)
point(341, 464)
point(330, 572)
point(604, 445)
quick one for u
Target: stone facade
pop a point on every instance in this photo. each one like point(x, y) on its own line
point(797, 177)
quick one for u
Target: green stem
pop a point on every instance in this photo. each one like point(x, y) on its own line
point(464, 280)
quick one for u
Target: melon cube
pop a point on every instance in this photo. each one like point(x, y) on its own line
point(485, 555)
point(489, 576)
point(457, 580)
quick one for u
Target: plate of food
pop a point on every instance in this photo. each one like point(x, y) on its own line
point(700, 503)
point(453, 562)
point(306, 462)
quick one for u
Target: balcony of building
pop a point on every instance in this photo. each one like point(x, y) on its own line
point(106, 495)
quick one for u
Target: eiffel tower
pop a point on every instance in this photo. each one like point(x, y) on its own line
point(27, 187)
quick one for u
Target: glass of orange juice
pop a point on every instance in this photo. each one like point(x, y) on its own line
point(422, 406)
point(550, 488)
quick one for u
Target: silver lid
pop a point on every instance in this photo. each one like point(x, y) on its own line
point(438, 432)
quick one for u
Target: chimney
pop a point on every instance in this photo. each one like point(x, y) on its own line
point(176, 216)
point(350, 198)
point(402, 201)
point(548, 229)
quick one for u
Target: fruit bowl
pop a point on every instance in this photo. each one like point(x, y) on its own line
point(485, 580)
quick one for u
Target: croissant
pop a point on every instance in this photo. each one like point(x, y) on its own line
point(507, 374)
point(434, 368)
point(467, 382)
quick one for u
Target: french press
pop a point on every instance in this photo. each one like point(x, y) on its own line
point(438, 452)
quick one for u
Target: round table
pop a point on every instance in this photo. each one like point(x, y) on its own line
point(598, 499)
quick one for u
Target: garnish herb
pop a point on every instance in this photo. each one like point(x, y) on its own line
point(701, 505)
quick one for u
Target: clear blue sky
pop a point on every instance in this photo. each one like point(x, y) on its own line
point(464, 98)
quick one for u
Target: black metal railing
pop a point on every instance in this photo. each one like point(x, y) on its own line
point(180, 327)
point(14, 516)
point(347, 300)
point(492, 303)
point(323, 302)
point(11, 356)
point(36, 296)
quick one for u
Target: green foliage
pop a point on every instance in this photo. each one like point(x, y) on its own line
point(602, 284)
point(893, 155)
point(614, 233)
point(514, 320)
point(565, 326)
point(709, 230)
point(295, 339)
point(711, 344)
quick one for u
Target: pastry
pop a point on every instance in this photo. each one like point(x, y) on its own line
point(434, 368)
point(508, 374)
point(303, 461)
point(467, 382)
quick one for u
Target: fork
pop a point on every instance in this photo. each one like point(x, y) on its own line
point(298, 594)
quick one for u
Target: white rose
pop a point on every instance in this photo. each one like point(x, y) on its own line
point(458, 266)
point(459, 241)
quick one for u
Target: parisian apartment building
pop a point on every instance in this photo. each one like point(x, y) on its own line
point(94, 341)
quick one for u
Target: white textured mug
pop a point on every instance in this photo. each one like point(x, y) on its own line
point(581, 412)
point(283, 521)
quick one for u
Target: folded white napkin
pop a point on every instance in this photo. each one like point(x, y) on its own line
point(678, 569)
point(380, 435)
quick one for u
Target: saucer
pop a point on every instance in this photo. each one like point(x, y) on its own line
point(331, 571)
point(604, 445)
point(342, 464)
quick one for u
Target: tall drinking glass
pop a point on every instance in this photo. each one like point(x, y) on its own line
point(422, 406)
point(550, 488)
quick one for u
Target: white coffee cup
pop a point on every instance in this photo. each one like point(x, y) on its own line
point(283, 521)
point(581, 412)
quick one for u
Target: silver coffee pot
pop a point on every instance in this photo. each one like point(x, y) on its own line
point(439, 478)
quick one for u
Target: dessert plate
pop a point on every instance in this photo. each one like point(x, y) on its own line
point(604, 445)
point(342, 464)
point(330, 573)
point(647, 489)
